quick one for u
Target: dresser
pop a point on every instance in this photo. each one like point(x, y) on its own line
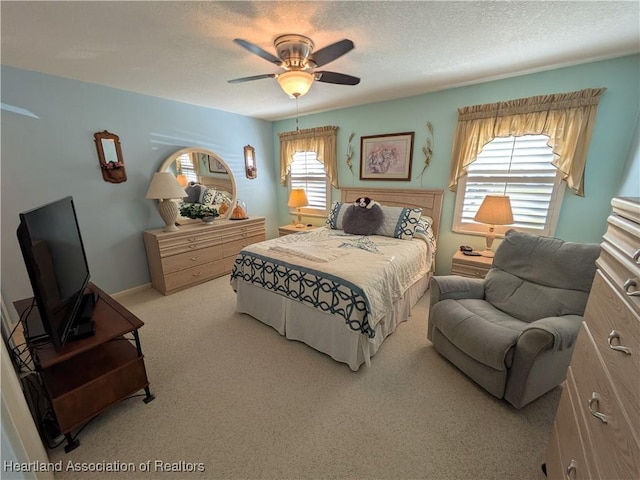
point(596, 433)
point(198, 252)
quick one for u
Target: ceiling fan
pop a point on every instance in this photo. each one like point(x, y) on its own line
point(299, 61)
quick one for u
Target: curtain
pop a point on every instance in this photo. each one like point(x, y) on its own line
point(567, 118)
point(321, 140)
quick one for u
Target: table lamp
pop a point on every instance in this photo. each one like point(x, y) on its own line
point(494, 210)
point(165, 187)
point(298, 198)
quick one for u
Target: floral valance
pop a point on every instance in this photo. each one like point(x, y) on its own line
point(321, 140)
point(567, 118)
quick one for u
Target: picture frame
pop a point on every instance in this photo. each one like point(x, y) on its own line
point(215, 166)
point(386, 157)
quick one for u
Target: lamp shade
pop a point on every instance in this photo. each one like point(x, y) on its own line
point(295, 83)
point(182, 180)
point(298, 198)
point(495, 210)
point(165, 185)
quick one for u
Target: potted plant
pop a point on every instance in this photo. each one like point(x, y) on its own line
point(207, 213)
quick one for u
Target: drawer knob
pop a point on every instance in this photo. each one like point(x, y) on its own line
point(571, 468)
point(636, 257)
point(594, 405)
point(614, 335)
point(195, 259)
point(628, 285)
point(197, 274)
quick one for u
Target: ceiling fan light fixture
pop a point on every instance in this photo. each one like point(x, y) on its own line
point(295, 83)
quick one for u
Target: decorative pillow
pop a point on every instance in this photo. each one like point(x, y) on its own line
point(212, 196)
point(209, 195)
point(336, 215)
point(399, 222)
point(423, 228)
point(194, 193)
point(364, 217)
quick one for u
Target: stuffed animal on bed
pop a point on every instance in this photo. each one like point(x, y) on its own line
point(364, 217)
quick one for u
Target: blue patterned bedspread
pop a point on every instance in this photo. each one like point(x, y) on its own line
point(355, 277)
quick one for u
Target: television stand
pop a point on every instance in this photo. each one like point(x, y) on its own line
point(90, 374)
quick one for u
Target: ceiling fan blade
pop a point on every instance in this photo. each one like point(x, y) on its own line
point(258, 51)
point(339, 78)
point(331, 52)
point(255, 77)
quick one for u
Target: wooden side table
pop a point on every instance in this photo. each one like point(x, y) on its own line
point(289, 229)
point(470, 266)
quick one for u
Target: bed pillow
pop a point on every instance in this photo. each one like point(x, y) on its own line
point(194, 193)
point(335, 219)
point(399, 222)
point(362, 220)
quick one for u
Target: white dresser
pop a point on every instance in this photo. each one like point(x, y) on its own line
point(198, 252)
point(596, 434)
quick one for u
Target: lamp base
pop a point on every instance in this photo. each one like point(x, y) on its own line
point(168, 210)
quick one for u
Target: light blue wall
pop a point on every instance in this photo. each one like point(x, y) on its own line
point(50, 153)
point(581, 219)
point(631, 178)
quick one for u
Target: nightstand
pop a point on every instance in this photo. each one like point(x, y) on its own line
point(290, 228)
point(470, 266)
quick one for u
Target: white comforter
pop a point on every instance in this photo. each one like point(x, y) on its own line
point(382, 267)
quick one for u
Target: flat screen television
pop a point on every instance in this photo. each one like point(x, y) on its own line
point(54, 255)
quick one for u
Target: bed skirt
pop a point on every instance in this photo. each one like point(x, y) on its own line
point(322, 331)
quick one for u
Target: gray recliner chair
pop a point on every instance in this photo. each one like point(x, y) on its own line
point(514, 332)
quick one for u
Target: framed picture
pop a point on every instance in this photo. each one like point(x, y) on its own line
point(386, 157)
point(215, 166)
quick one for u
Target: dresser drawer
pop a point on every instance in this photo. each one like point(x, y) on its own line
point(192, 258)
point(623, 234)
point(170, 246)
point(468, 271)
point(194, 275)
point(571, 460)
point(232, 248)
point(621, 269)
point(241, 233)
point(607, 314)
point(618, 451)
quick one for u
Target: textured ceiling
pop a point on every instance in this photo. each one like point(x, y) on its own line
point(184, 50)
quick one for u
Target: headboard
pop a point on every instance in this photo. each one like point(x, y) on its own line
point(221, 184)
point(429, 200)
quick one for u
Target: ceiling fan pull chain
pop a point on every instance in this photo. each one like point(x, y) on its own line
point(297, 129)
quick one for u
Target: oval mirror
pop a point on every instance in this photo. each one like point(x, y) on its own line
point(205, 168)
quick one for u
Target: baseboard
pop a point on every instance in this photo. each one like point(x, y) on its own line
point(128, 291)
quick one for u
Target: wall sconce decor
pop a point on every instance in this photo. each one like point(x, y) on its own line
point(110, 157)
point(250, 167)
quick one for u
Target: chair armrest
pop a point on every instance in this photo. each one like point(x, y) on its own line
point(455, 287)
point(541, 358)
point(563, 330)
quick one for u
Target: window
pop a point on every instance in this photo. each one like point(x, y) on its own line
point(308, 173)
point(186, 167)
point(519, 167)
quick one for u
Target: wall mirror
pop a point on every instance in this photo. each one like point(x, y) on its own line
point(216, 184)
point(110, 157)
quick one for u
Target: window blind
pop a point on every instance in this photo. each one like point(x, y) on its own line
point(516, 166)
point(308, 173)
point(186, 167)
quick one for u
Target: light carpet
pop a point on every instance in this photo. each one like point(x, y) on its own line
point(236, 399)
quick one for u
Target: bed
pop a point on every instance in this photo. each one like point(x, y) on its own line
point(341, 294)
